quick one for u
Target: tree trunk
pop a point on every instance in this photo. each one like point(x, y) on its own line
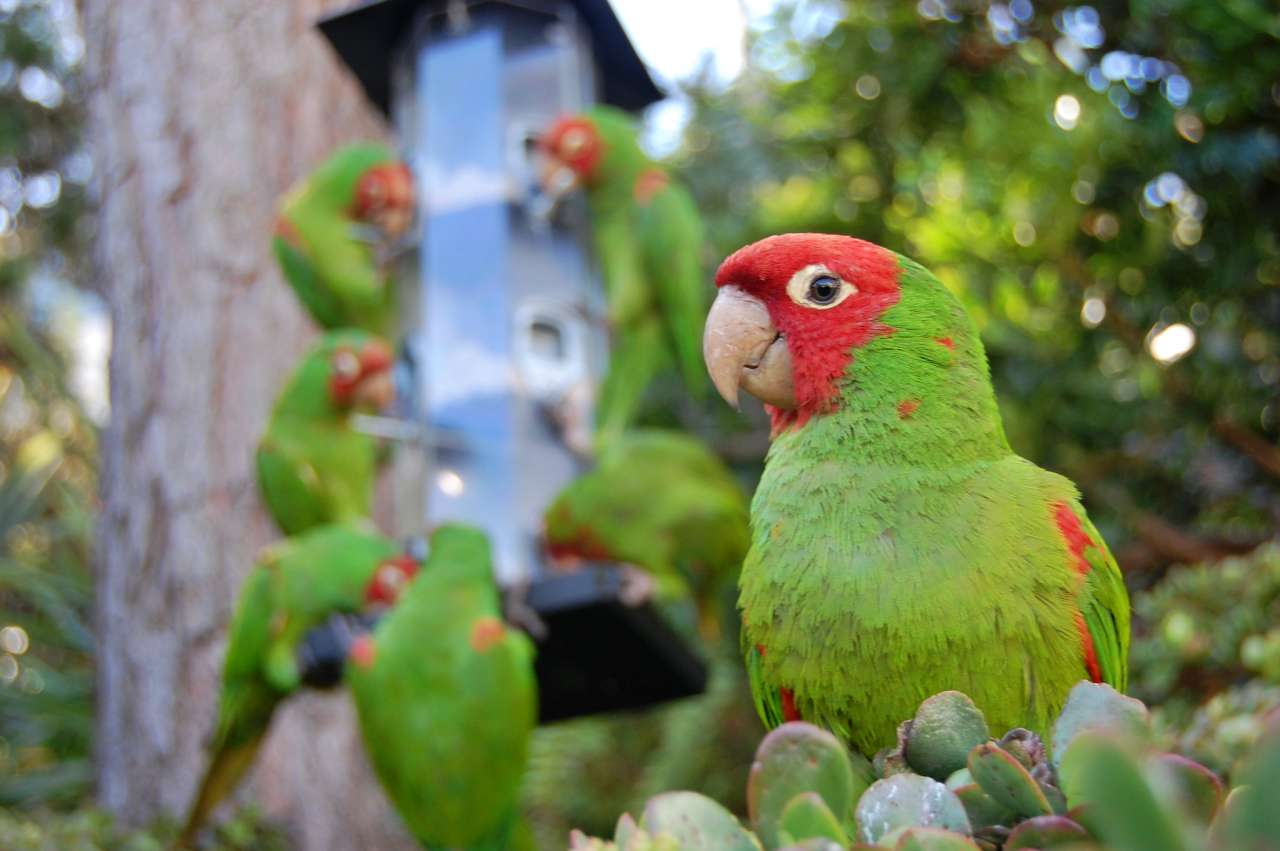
point(202, 114)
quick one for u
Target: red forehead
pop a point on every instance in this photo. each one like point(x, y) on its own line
point(766, 266)
point(574, 141)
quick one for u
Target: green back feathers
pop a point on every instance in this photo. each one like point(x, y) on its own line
point(659, 500)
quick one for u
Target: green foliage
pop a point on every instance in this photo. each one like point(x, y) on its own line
point(1076, 214)
point(1112, 792)
point(93, 830)
point(48, 479)
point(1207, 657)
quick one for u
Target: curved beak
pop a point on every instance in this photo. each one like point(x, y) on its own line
point(744, 350)
point(376, 386)
point(556, 179)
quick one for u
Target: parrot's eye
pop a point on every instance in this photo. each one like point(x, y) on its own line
point(818, 288)
point(824, 289)
point(346, 364)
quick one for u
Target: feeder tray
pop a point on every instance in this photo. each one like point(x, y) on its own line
point(602, 655)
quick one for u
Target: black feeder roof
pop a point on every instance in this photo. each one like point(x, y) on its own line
point(366, 37)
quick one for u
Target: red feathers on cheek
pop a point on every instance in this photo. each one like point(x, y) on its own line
point(822, 342)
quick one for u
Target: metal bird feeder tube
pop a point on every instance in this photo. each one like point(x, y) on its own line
point(500, 346)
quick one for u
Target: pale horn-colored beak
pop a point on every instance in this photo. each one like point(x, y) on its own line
point(743, 350)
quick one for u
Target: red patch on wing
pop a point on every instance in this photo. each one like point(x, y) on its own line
point(363, 651)
point(1090, 652)
point(907, 407)
point(1077, 541)
point(947, 341)
point(822, 342)
point(760, 650)
point(485, 633)
point(289, 233)
point(650, 182)
point(789, 711)
point(1073, 534)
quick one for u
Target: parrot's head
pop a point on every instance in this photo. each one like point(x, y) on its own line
point(359, 372)
point(389, 580)
point(567, 537)
point(588, 149)
point(384, 198)
point(793, 310)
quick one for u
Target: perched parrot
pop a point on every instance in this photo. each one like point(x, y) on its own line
point(899, 547)
point(335, 231)
point(296, 584)
point(446, 700)
point(312, 467)
point(662, 502)
point(648, 242)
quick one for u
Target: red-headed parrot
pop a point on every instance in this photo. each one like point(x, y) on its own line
point(446, 698)
point(660, 501)
point(312, 467)
point(296, 585)
point(899, 547)
point(335, 230)
point(648, 243)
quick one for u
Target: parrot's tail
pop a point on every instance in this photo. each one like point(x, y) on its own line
point(225, 770)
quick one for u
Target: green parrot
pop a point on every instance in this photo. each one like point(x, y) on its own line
point(312, 467)
point(334, 233)
point(664, 503)
point(648, 242)
point(899, 547)
point(447, 701)
point(296, 585)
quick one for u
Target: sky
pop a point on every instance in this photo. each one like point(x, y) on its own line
point(674, 38)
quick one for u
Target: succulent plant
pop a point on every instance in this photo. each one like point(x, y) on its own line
point(1101, 787)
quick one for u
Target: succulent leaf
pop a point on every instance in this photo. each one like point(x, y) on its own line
point(1003, 778)
point(908, 800)
point(696, 823)
point(1044, 833)
point(1100, 776)
point(1186, 785)
point(793, 759)
point(807, 816)
point(933, 839)
point(1097, 706)
point(981, 808)
point(946, 727)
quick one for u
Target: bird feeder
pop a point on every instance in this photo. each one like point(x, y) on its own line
point(500, 338)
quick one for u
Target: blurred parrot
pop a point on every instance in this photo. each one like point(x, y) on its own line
point(662, 502)
point(296, 585)
point(335, 232)
point(446, 699)
point(312, 467)
point(899, 546)
point(648, 242)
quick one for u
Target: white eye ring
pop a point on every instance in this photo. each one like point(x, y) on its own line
point(798, 287)
point(346, 364)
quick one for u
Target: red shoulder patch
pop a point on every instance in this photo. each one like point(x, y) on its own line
point(363, 651)
point(907, 407)
point(1090, 652)
point(789, 711)
point(1073, 534)
point(485, 633)
point(947, 341)
point(650, 182)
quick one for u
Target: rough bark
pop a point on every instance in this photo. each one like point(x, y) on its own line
point(202, 114)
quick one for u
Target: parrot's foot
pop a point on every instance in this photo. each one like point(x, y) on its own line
point(322, 654)
point(638, 586)
point(517, 611)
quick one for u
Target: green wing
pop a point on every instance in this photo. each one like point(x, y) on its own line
point(291, 489)
point(301, 274)
point(1105, 605)
point(767, 699)
point(671, 233)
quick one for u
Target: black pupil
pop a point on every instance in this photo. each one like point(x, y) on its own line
point(823, 290)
